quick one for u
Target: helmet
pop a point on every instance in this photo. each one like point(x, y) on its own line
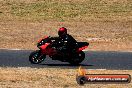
point(62, 31)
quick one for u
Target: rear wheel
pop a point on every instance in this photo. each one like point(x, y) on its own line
point(77, 58)
point(36, 57)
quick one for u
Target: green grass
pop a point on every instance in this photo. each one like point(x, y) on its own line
point(58, 10)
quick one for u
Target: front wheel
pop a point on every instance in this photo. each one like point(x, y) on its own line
point(36, 57)
point(77, 58)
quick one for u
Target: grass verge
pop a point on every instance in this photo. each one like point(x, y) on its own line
point(66, 10)
point(52, 77)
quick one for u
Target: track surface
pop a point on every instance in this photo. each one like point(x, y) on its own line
point(93, 60)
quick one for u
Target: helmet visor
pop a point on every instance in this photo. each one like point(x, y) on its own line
point(60, 33)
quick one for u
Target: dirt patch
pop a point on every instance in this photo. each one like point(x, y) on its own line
point(52, 77)
point(108, 36)
point(23, 22)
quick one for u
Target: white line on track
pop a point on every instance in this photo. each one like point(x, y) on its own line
point(96, 69)
point(10, 49)
point(18, 49)
point(14, 49)
point(83, 50)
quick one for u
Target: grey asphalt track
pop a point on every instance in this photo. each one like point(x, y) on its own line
point(93, 60)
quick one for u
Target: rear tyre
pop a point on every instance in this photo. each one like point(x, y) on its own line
point(36, 57)
point(77, 58)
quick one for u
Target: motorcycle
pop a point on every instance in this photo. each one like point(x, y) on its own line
point(48, 46)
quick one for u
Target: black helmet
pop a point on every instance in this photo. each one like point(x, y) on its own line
point(62, 31)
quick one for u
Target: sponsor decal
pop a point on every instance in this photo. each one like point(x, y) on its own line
point(83, 78)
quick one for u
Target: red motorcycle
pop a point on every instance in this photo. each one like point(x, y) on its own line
point(48, 46)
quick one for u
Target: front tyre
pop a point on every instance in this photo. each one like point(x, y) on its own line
point(36, 57)
point(77, 58)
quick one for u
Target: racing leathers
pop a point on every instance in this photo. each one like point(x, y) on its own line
point(67, 43)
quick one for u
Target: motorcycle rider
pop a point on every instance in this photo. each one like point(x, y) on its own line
point(67, 43)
